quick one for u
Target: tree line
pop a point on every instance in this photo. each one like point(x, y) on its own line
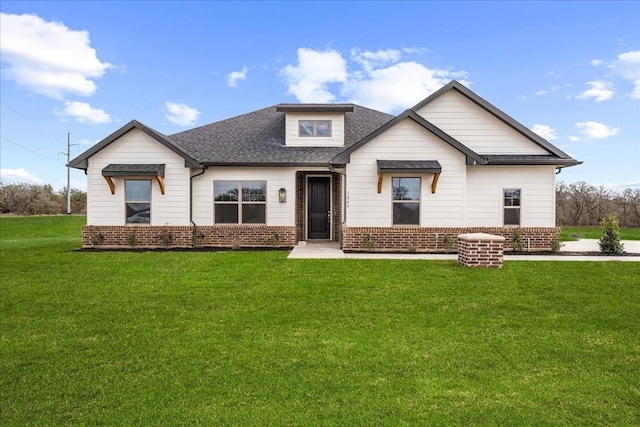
point(40, 199)
point(577, 204)
point(581, 204)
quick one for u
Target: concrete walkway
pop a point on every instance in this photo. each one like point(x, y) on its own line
point(332, 250)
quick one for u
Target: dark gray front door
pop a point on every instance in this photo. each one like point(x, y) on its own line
point(319, 206)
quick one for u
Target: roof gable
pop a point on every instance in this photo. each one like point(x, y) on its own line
point(495, 112)
point(82, 161)
point(471, 156)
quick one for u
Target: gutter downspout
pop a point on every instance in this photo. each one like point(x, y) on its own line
point(193, 224)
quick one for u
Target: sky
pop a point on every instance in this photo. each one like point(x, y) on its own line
point(569, 71)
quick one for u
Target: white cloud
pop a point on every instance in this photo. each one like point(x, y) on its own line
point(396, 87)
point(599, 90)
point(596, 62)
point(181, 114)
point(596, 130)
point(235, 76)
point(8, 176)
point(369, 59)
point(308, 81)
point(48, 57)
point(627, 65)
point(552, 89)
point(375, 79)
point(636, 90)
point(547, 132)
point(574, 138)
point(85, 113)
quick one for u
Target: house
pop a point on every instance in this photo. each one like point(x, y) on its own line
point(452, 164)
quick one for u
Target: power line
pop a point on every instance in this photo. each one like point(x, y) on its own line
point(22, 115)
point(27, 148)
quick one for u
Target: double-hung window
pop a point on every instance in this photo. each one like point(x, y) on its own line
point(406, 201)
point(240, 202)
point(137, 195)
point(511, 204)
point(314, 128)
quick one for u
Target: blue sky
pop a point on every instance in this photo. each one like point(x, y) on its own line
point(568, 70)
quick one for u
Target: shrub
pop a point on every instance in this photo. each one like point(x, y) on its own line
point(517, 241)
point(610, 240)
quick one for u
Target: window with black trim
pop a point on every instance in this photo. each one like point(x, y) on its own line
point(511, 203)
point(314, 128)
point(406, 201)
point(240, 202)
point(137, 196)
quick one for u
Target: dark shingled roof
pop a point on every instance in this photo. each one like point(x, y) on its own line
point(257, 138)
point(314, 108)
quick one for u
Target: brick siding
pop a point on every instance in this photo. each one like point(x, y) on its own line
point(222, 236)
point(480, 250)
point(432, 239)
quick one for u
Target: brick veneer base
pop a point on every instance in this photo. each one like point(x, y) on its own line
point(480, 250)
point(222, 236)
point(432, 239)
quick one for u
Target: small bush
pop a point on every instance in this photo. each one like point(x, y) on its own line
point(610, 240)
point(517, 241)
point(132, 239)
point(556, 245)
point(166, 239)
point(97, 238)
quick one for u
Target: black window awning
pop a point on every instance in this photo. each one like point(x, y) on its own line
point(422, 167)
point(418, 167)
point(155, 170)
point(117, 169)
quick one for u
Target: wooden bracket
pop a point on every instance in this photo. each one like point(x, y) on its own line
point(160, 183)
point(380, 175)
point(434, 183)
point(112, 186)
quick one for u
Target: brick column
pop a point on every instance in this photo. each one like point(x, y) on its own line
point(480, 250)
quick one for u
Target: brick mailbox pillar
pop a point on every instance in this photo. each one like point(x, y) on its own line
point(480, 250)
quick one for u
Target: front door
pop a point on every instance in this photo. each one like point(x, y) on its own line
point(319, 208)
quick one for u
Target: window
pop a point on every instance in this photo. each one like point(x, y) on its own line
point(241, 202)
point(137, 196)
point(511, 206)
point(406, 201)
point(314, 128)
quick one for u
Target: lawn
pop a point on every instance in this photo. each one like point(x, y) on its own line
point(252, 338)
point(596, 233)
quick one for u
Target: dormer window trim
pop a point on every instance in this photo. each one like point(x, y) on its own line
point(315, 128)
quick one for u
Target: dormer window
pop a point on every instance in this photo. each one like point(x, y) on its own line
point(314, 128)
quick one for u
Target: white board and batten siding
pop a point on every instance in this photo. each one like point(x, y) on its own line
point(104, 208)
point(293, 139)
point(485, 189)
point(277, 214)
point(476, 128)
point(405, 141)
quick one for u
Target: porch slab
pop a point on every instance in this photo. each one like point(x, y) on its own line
point(317, 250)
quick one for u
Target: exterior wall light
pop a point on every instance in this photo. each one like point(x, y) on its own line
point(282, 195)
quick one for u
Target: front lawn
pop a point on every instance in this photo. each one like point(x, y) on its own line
point(252, 338)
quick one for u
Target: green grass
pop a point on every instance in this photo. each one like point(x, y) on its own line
point(596, 233)
point(252, 338)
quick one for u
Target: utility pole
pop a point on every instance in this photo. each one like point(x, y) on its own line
point(68, 154)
